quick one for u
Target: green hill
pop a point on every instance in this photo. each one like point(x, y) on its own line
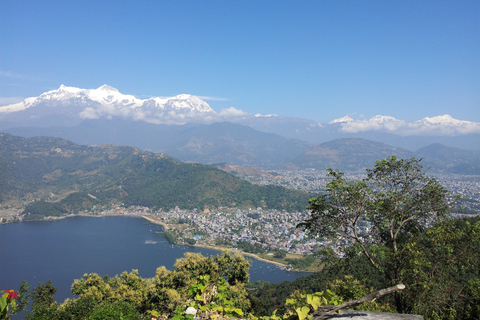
point(68, 178)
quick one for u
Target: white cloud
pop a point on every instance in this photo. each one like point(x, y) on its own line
point(342, 120)
point(232, 112)
point(89, 113)
point(439, 125)
point(172, 117)
point(109, 110)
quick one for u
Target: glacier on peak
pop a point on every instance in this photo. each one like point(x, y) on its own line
point(62, 93)
point(384, 119)
point(446, 124)
point(376, 119)
point(107, 95)
point(259, 115)
point(445, 119)
point(184, 96)
point(106, 87)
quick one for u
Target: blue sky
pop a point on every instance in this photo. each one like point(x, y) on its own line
point(319, 60)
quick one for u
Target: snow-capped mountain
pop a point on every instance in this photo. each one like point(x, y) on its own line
point(69, 107)
point(107, 101)
point(444, 121)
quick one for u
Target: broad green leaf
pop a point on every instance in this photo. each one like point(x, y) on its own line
point(3, 303)
point(314, 301)
point(302, 312)
point(238, 311)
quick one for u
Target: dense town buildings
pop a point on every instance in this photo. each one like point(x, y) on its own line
point(312, 180)
point(270, 230)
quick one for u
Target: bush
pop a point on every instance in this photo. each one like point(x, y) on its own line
point(114, 311)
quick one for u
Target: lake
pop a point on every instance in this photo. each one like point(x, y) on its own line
point(64, 250)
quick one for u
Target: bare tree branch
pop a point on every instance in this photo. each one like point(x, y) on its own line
point(324, 312)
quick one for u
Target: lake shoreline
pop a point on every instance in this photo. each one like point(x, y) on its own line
point(154, 221)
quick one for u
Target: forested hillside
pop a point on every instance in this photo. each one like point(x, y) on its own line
point(68, 178)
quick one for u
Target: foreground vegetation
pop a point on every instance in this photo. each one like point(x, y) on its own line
point(442, 282)
point(440, 273)
point(214, 287)
point(391, 227)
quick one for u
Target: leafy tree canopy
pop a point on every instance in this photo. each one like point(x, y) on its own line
point(379, 214)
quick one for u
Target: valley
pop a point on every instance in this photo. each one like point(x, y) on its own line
point(314, 181)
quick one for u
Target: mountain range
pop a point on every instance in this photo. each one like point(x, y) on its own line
point(186, 128)
point(74, 103)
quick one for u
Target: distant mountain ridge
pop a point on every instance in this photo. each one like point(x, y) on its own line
point(208, 144)
point(234, 144)
point(347, 155)
point(450, 159)
point(356, 154)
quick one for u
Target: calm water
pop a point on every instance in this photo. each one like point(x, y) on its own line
point(64, 250)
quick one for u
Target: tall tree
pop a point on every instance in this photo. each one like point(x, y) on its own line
point(443, 271)
point(379, 214)
point(43, 294)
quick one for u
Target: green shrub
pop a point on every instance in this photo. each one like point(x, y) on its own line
point(114, 311)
